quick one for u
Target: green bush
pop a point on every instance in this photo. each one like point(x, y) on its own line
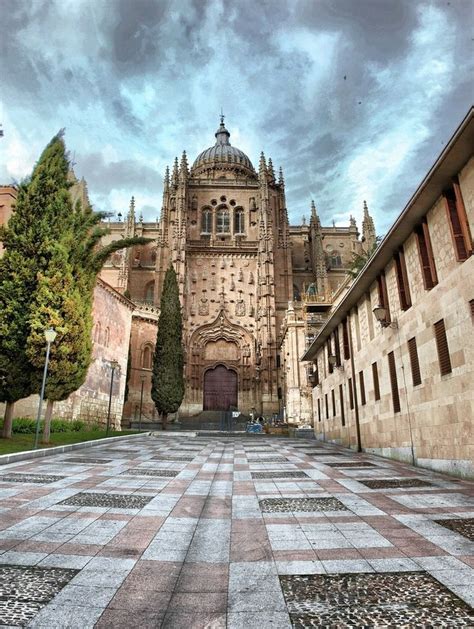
point(27, 426)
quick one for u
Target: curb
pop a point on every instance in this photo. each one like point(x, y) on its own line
point(37, 454)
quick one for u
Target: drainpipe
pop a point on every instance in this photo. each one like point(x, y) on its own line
point(354, 388)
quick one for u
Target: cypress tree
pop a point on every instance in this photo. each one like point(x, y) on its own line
point(167, 382)
point(47, 279)
point(27, 241)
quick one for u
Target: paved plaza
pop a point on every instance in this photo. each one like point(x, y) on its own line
point(238, 532)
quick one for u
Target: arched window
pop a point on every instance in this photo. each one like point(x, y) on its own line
point(97, 332)
point(106, 337)
point(296, 293)
point(222, 221)
point(147, 353)
point(239, 221)
point(149, 292)
point(206, 221)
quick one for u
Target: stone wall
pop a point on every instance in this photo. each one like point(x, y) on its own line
point(111, 334)
point(435, 422)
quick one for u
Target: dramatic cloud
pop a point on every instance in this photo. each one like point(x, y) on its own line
point(354, 99)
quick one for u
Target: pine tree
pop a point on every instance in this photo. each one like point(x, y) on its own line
point(167, 382)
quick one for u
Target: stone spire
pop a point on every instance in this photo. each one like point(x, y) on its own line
point(175, 175)
point(262, 167)
point(318, 259)
point(222, 135)
point(281, 179)
point(368, 229)
point(271, 172)
point(183, 167)
point(166, 180)
point(314, 216)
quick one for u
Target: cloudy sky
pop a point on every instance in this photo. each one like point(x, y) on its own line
point(354, 98)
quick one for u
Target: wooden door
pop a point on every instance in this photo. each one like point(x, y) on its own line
point(220, 389)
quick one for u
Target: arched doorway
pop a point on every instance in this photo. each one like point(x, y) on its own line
point(220, 389)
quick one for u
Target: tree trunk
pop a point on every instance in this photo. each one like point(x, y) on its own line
point(47, 422)
point(8, 420)
point(164, 420)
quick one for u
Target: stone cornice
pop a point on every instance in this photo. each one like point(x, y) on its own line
point(115, 293)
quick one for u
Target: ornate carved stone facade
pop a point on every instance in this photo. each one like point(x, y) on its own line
point(224, 227)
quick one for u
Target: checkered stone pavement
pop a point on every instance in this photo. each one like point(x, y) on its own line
point(179, 531)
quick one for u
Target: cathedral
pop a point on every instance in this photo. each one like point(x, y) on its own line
point(224, 227)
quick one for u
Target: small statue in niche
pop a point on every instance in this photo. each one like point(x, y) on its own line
point(240, 277)
point(246, 351)
point(240, 308)
point(194, 277)
point(213, 283)
point(312, 289)
point(232, 284)
point(203, 306)
point(251, 278)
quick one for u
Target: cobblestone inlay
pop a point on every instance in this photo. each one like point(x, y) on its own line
point(463, 527)
point(150, 472)
point(269, 459)
point(173, 458)
point(333, 454)
point(394, 483)
point(85, 461)
point(24, 590)
point(351, 464)
point(118, 501)
point(279, 475)
point(29, 478)
point(407, 599)
point(285, 505)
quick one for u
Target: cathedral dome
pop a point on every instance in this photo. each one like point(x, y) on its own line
point(222, 156)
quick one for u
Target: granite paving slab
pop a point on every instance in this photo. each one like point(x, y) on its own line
point(195, 533)
point(373, 600)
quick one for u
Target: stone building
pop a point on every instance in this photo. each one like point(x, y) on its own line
point(224, 227)
point(392, 367)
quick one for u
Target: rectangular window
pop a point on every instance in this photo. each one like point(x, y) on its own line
point(442, 347)
point(414, 362)
point(362, 388)
point(345, 340)
point(337, 347)
point(425, 252)
point(375, 375)
point(458, 223)
point(402, 280)
point(327, 405)
point(333, 397)
point(329, 349)
point(383, 294)
point(394, 382)
point(341, 398)
point(351, 395)
point(319, 410)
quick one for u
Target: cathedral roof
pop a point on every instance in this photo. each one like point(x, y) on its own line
point(222, 155)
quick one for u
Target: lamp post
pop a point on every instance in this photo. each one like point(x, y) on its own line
point(114, 364)
point(49, 335)
point(380, 313)
point(142, 378)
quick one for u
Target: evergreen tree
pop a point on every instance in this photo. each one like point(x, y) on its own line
point(27, 241)
point(167, 382)
point(47, 279)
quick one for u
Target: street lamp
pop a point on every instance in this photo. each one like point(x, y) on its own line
point(380, 313)
point(114, 365)
point(49, 335)
point(142, 378)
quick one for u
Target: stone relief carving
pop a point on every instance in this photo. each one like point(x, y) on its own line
point(203, 306)
point(240, 308)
